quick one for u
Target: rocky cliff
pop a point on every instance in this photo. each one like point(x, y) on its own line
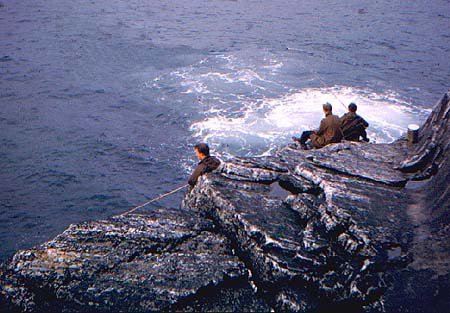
point(352, 227)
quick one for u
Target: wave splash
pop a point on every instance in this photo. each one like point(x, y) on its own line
point(250, 108)
point(261, 128)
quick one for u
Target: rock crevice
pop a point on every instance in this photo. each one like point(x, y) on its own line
point(344, 227)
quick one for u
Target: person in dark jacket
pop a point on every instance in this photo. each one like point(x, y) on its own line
point(207, 163)
point(329, 131)
point(353, 126)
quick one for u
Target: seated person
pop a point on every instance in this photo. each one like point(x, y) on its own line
point(353, 126)
point(329, 131)
point(207, 163)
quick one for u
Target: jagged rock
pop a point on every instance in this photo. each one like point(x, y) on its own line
point(347, 225)
point(350, 227)
point(164, 261)
point(423, 286)
point(308, 244)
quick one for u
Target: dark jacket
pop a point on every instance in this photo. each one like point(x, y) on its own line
point(353, 126)
point(328, 132)
point(208, 164)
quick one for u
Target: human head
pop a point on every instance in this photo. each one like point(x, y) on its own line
point(327, 108)
point(202, 150)
point(352, 107)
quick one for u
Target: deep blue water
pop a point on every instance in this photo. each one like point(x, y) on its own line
point(101, 101)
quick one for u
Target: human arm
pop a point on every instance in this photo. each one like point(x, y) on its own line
point(364, 122)
point(321, 129)
point(199, 170)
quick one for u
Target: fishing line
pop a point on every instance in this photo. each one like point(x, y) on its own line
point(317, 77)
point(154, 199)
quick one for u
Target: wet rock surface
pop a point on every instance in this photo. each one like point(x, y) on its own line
point(353, 226)
point(166, 260)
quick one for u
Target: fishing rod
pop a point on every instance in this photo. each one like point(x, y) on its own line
point(324, 85)
point(154, 199)
point(317, 76)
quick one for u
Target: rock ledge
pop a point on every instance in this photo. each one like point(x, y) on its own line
point(358, 227)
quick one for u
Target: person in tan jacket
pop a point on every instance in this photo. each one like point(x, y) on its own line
point(329, 131)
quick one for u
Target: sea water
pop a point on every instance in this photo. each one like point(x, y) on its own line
point(102, 101)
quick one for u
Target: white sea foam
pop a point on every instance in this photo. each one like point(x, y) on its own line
point(264, 125)
point(250, 106)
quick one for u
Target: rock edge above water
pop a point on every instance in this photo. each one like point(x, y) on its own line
point(360, 227)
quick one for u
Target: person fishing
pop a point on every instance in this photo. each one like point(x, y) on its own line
point(354, 126)
point(207, 163)
point(329, 131)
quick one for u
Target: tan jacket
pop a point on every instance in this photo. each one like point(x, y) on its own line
point(328, 132)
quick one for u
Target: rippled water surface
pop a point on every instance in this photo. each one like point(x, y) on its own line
point(101, 101)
